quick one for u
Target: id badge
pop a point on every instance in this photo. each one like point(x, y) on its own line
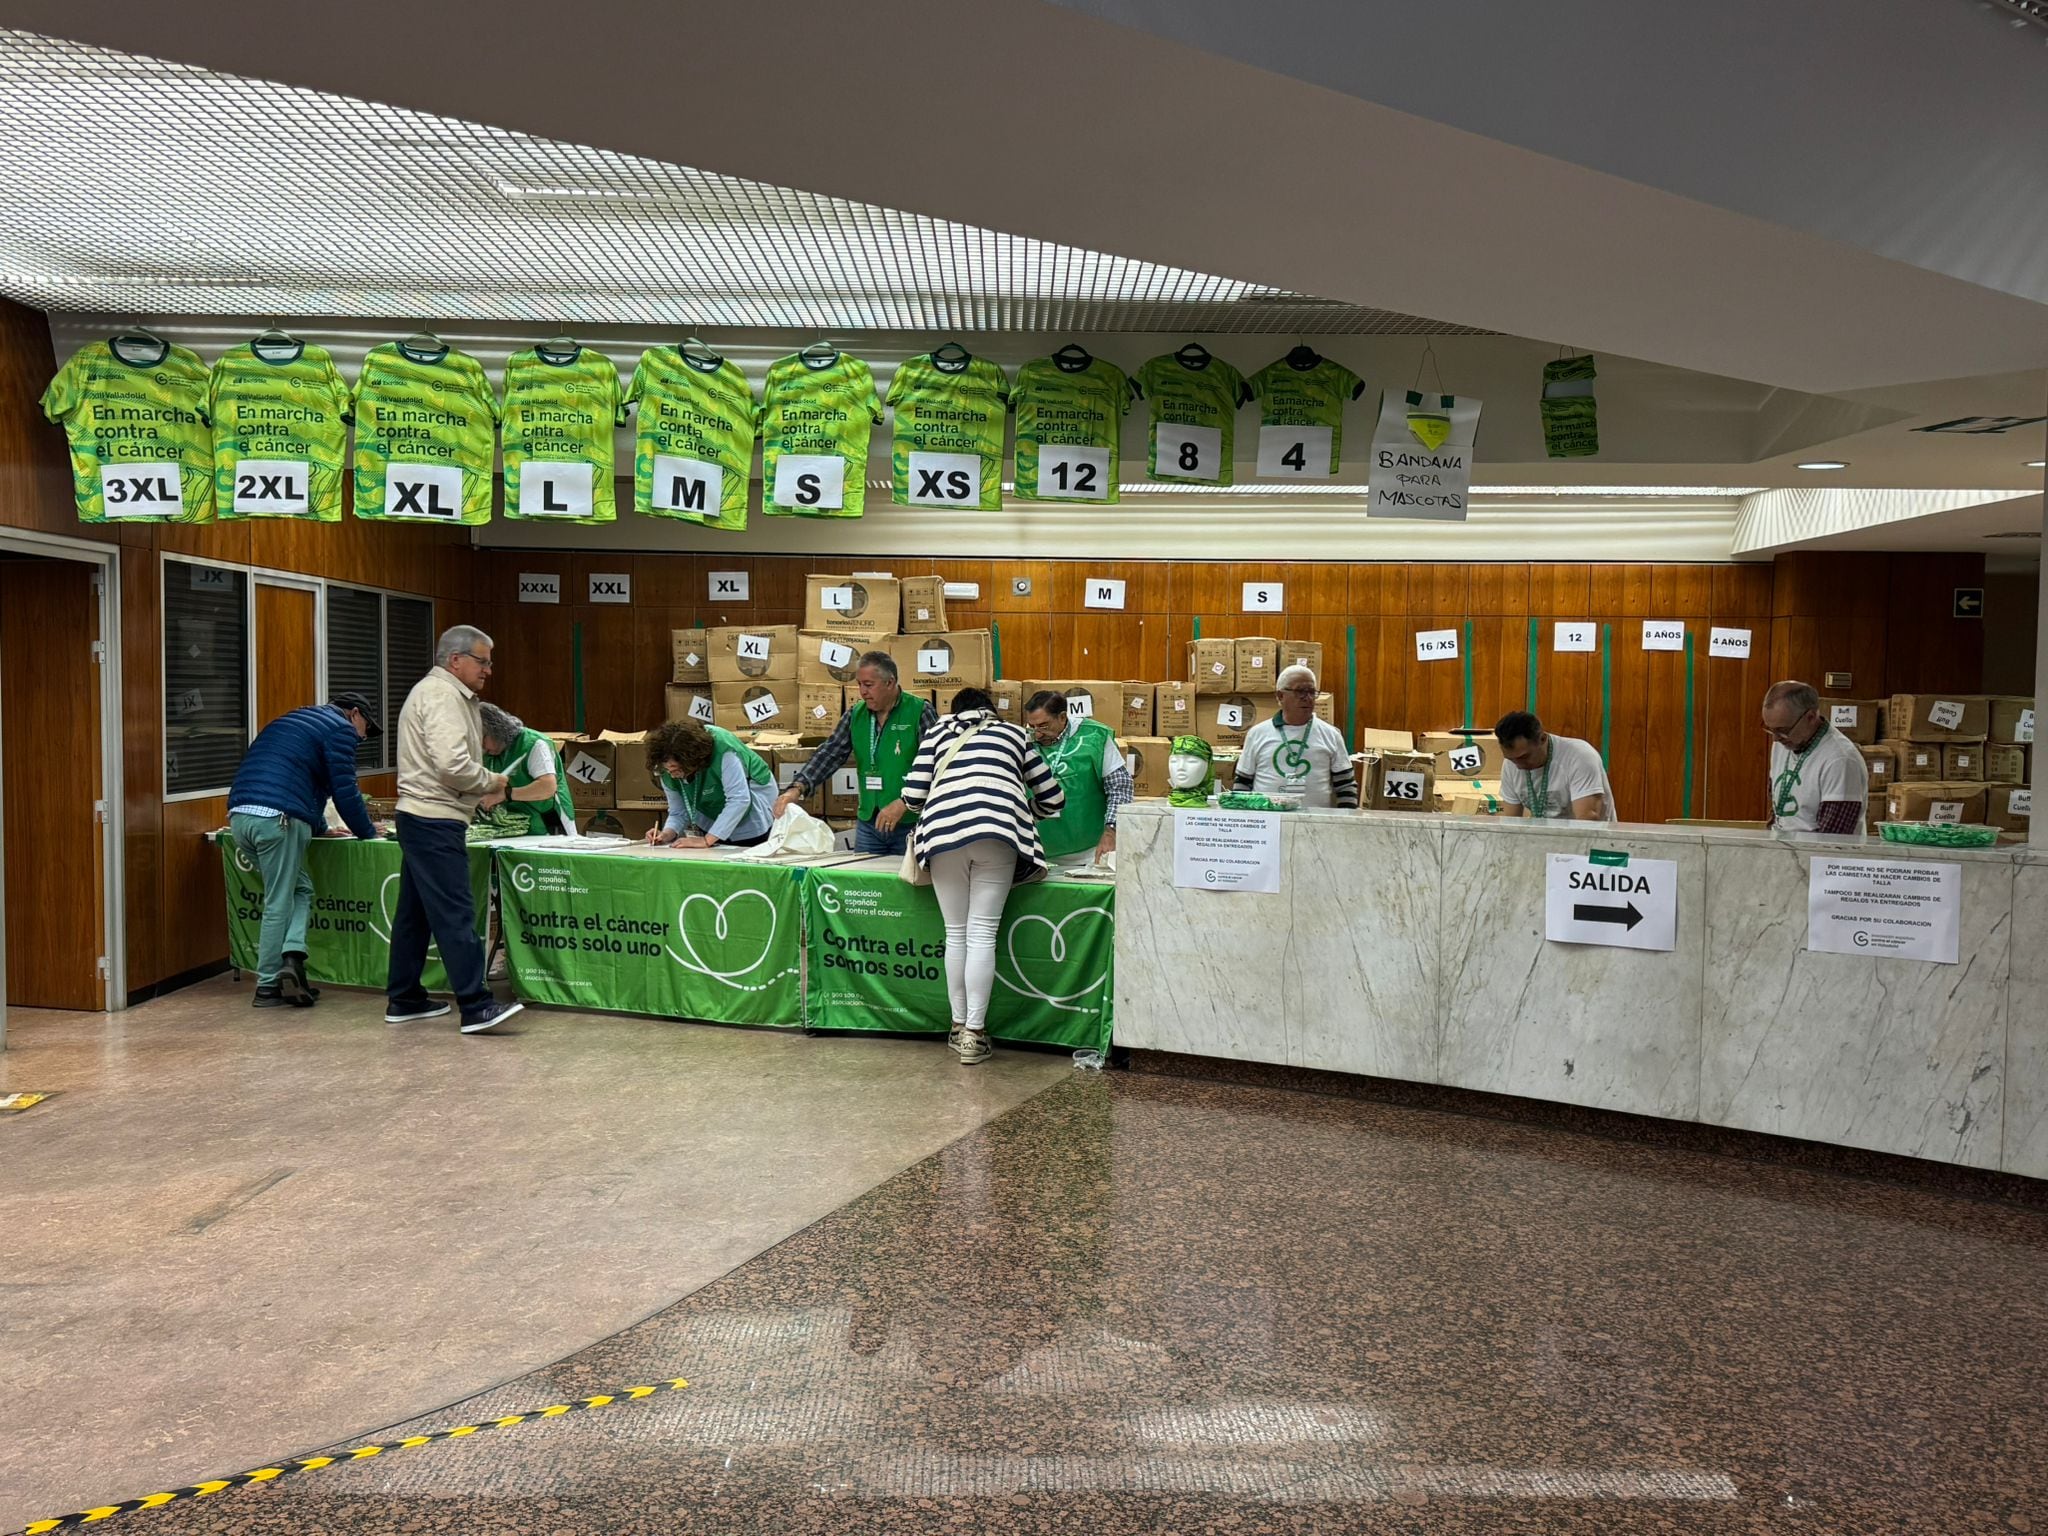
point(874, 781)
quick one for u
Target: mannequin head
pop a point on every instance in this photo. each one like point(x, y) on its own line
point(1188, 770)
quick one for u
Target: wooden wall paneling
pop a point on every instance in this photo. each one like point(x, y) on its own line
point(1442, 588)
point(1436, 689)
point(1664, 741)
point(1744, 592)
point(1392, 651)
point(285, 651)
point(195, 930)
point(664, 582)
point(1398, 584)
point(1148, 585)
point(142, 782)
point(1028, 647)
point(1561, 591)
point(609, 683)
point(653, 665)
point(1567, 687)
point(1738, 752)
point(35, 465)
point(1677, 591)
point(1004, 600)
point(1926, 646)
point(1627, 767)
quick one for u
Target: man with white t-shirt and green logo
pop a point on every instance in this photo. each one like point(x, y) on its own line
point(1558, 778)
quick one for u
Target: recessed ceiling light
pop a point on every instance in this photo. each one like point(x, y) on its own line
point(1825, 464)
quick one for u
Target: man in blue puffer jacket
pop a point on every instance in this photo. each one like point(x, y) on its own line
point(279, 800)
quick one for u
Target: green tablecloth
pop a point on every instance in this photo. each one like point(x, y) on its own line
point(355, 893)
point(667, 934)
point(877, 958)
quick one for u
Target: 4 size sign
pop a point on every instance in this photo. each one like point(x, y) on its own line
point(1611, 899)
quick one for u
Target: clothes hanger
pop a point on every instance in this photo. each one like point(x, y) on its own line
point(1193, 355)
point(951, 357)
point(424, 345)
point(819, 354)
point(1303, 357)
point(138, 334)
point(1073, 357)
point(553, 349)
point(275, 338)
point(704, 359)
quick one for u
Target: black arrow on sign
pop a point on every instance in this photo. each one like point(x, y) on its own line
point(1627, 916)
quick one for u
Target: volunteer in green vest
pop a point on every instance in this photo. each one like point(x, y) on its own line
point(1083, 756)
point(532, 765)
point(881, 734)
point(720, 793)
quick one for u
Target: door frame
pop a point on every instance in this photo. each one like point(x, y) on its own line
point(114, 882)
point(260, 576)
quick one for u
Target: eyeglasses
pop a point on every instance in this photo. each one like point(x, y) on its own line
point(483, 661)
point(1300, 693)
point(1781, 732)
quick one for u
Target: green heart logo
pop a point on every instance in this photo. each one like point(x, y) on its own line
point(1045, 946)
point(737, 933)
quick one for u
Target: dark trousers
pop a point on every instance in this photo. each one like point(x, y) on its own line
point(434, 902)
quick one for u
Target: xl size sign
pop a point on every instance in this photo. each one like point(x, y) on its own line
point(1611, 899)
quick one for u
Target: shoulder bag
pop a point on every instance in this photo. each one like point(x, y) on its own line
point(912, 871)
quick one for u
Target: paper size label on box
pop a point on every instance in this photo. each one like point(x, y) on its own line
point(2024, 731)
point(836, 599)
point(1728, 642)
point(1100, 592)
point(1403, 786)
point(1663, 635)
point(932, 663)
point(1945, 715)
point(835, 655)
point(1080, 706)
point(846, 781)
point(763, 708)
point(1571, 635)
point(1436, 645)
point(1231, 715)
point(586, 769)
point(754, 647)
point(701, 710)
point(1466, 761)
point(1843, 716)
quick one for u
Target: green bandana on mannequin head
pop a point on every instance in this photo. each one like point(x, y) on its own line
point(1190, 769)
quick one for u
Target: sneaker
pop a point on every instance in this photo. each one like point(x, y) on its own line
point(491, 1017)
point(395, 1014)
point(974, 1047)
point(953, 1038)
point(295, 967)
point(273, 996)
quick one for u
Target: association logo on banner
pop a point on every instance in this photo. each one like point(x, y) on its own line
point(733, 936)
point(1046, 957)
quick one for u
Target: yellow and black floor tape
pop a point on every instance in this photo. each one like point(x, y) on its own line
point(359, 1453)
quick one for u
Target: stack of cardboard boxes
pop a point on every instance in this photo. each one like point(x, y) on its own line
point(1952, 758)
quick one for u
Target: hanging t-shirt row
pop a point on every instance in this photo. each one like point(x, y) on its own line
point(157, 437)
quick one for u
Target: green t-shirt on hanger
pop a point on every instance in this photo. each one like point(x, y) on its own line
point(947, 448)
point(563, 408)
point(818, 416)
point(134, 410)
point(426, 436)
point(1313, 397)
point(1075, 409)
point(693, 448)
point(1194, 416)
point(280, 430)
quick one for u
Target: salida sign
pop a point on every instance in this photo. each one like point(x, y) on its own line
point(1612, 899)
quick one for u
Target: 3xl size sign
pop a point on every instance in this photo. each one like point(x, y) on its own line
point(1611, 899)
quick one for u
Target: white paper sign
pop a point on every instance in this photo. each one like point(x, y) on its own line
point(1436, 645)
point(1402, 785)
point(211, 578)
point(1071, 473)
point(429, 491)
point(687, 486)
point(1101, 592)
point(273, 487)
point(586, 769)
point(836, 599)
point(2024, 731)
point(1295, 453)
point(1728, 642)
point(1945, 813)
point(1908, 910)
point(539, 587)
point(1230, 715)
point(611, 587)
point(758, 710)
point(729, 586)
point(785, 774)
point(1409, 478)
point(834, 655)
point(191, 702)
point(1573, 635)
point(1080, 706)
point(944, 479)
point(1624, 906)
point(1945, 715)
point(931, 663)
point(1466, 761)
point(2020, 803)
point(1264, 597)
point(1186, 453)
point(1663, 634)
point(701, 710)
point(1226, 850)
point(753, 647)
point(810, 482)
point(1843, 717)
point(143, 488)
point(551, 488)
point(846, 781)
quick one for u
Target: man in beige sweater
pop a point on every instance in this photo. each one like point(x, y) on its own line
point(441, 782)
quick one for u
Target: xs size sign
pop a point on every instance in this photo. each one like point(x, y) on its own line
point(1611, 899)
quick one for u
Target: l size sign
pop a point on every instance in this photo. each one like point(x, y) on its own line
point(1611, 899)
point(554, 489)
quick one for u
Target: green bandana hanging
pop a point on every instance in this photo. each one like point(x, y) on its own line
point(1428, 427)
point(1571, 425)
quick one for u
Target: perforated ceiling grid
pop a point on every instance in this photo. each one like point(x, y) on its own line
point(146, 187)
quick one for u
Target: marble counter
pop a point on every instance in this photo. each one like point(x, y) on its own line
point(1412, 947)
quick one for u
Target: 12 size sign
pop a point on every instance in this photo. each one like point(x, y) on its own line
point(1575, 635)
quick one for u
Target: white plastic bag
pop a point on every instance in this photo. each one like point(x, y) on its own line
point(796, 834)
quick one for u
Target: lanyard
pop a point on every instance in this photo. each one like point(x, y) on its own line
point(1542, 776)
point(1787, 802)
point(874, 737)
point(1063, 750)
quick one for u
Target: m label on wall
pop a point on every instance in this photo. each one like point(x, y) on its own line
point(1611, 899)
point(1887, 910)
point(1101, 592)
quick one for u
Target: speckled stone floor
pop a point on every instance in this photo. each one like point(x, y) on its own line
point(1150, 1304)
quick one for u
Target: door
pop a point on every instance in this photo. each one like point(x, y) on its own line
point(287, 650)
point(50, 722)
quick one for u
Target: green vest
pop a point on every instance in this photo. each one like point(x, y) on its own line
point(704, 796)
point(512, 763)
point(1076, 761)
point(890, 758)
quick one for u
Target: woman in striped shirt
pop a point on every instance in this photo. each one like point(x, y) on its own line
point(980, 787)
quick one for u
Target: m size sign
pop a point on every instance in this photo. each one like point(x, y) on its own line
point(1100, 592)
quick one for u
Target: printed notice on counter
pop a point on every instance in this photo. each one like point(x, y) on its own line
point(1227, 850)
point(1909, 910)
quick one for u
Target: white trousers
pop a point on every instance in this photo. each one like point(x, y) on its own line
point(972, 883)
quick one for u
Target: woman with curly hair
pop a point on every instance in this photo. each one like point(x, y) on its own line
point(719, 791)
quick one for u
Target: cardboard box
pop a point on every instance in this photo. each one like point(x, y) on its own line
point(1464, 754)
point(961, 659)
point(632, 824)
point(1009, 697)
point(1882, 764)
point(1919, 762)
point(2006, 765)
point(924, 605)
point(634, 786)
point(2012, 720)
point(1326, 708)
point(692, 654)
point(1859, 720)
point(1876, 812)
point(769, 703)
point(1937, 717)
point(1302, 653)
point(1146, 756)
point(1370, 740)
point(786, 761)
point(1467, 798)
point(1403, 781)
point(818, 708)
point(590, 763)
point(1961, 803)
point(749, 653)
point(866, 606)
point(1212, 665)
point(842, 791)
point(691, 701)
point(1256, 661)
point(1135, 717)
point(1087, 698)
point(1173, 709)
point(2009, 807)
point(828, 658)
point(1222, 719)
point(1963, 762)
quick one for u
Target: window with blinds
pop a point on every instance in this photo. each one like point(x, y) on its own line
point(206, 676)
point(355, 660)
point(408, 652)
